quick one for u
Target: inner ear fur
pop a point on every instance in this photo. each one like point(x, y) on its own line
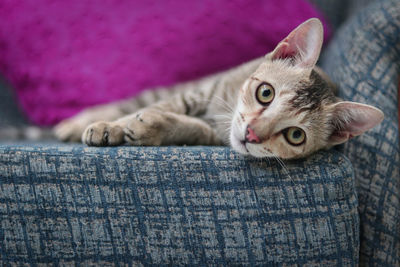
point(351, 119)
point(302, 46)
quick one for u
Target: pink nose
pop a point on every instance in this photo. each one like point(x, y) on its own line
point(251, 136)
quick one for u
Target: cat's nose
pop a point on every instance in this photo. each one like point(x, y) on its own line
point(251, 136)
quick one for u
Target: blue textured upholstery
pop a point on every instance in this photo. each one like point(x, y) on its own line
point(72, 204)
point(364, 59)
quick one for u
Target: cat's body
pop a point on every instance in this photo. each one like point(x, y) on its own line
point(211, 99)
point(279, 105)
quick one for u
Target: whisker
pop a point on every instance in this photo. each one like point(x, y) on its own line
point(224, 104)
point(221, 103)
point(223, 115)
point(283, 166)
point(223, 123)
point(291, 179)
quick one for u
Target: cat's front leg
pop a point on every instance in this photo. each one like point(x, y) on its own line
point(72, 129)
point(141, 128)
point(151, 127)
point(148, 128)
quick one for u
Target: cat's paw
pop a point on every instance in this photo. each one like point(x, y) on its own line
point(146, 129)
point(103, 134)
point(69, 130)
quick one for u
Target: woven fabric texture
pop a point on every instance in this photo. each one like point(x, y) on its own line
point(197, 206)
point(364, 59)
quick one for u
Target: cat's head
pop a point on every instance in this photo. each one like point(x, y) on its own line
point(287, 108)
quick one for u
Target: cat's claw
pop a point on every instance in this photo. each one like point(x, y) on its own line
point(103, 134)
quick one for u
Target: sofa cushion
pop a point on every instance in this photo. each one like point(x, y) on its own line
point(74, 204)
point(364, 59)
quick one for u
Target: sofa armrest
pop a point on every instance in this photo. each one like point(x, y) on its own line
point(74, 204)
point(364, 59)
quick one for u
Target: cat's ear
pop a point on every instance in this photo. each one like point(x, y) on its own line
point(351, 119)
point(302, 45)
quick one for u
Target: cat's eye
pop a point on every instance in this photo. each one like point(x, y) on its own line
point(295, 136)
point(265, 93)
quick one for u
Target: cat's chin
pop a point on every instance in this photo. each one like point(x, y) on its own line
point(241, 148)
point(238, 146)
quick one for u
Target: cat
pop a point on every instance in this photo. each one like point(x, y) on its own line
point(281, 105)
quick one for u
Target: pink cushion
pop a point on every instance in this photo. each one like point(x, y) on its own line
point(62, 56)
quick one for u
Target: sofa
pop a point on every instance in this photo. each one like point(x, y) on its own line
point(73, 205)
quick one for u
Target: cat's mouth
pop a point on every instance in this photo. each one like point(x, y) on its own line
point(247, 148)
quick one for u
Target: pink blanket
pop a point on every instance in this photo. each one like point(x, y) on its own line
point(62, 56)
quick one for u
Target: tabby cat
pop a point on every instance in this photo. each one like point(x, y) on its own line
point(280, 105)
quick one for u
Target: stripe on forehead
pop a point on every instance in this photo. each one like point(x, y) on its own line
point(312, 93)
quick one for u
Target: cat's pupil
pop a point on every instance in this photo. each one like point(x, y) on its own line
point(266, 93)
point(296, 134)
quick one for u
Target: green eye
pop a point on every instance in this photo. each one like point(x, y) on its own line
point(265, 93)
point(295, 136)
